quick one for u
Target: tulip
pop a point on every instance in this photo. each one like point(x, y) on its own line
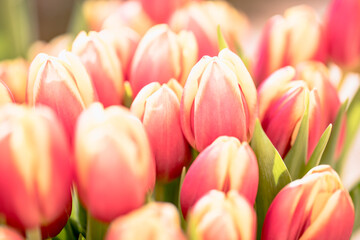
point(130, 14)
point(158, 107)
point(343, 33)
point(5, 94)
point(220, 87)
point(14, 74)
point(225, 165)
point(281, 108)
point(222, 216)
point(62, 84)
point(162, 55)
point(156, 220)
point(202, 19)
point(35, 167)
point(100, 60)
point(314, 207)
point(161, 10)
point(287, 40)
point(114, 165)
point(7, 233)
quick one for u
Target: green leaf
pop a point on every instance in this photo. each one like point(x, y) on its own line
point(273, 174)
point(296, 157)
point(318, 151)
point(77, 19)
point(329, 153)
point(81, 237)
point(78, 216)
point(66, 233)
point(355, 195)
point(221, 40)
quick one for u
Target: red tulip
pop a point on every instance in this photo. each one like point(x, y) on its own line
point(161, 10)
point(62, 84)
point(162, 55)
point(287, 40)
point(220, 87)
point(5, 94)
point(153, 221)
point(281, 108)
point(158, 107)
point(314, 207)
point(225, 165)
point(101, 62)
point(114, 165)
point(35, 167)
point(7, 233)
point(343, 32)
point(219, 216)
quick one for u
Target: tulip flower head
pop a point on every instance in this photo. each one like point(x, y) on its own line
point(158, 107)
point(7, 233)
point(314, 207)
point(162, 55)
point(219, 99)
point(155, 220)
point(222, 216)
point(225, 165)
point(5, 94)
point(35, 168)
point(114, 164)
point(101, 62)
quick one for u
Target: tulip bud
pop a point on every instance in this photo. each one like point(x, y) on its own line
point(220, 87)
point(162, 55)
point(158, 107)
point(7, 233)
point(5, 94)
point(153, 221)
point(282, 103)
point(343, 32)
point(35, 166)
point(220, 216)
point(287, 40)
point(14, 74)
point(225, 165)
point(62, 84)
point(114, 164)
point(314, 207)
point(100, 60)
point(161, 10)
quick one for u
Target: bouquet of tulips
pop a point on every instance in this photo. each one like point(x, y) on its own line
point(157, 123)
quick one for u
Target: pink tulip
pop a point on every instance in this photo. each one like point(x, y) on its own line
point(203, 18)
point(343, 32)
point(162, 55)
point(61, 83)
point(114, 165)
point(7, 233)
point(219, 98)
point(5, 94)
point(281, 108)
point(101, 62)
point(161, 10)
point(225, 165)
point(314, 207)
point(154, 221)
point(222, 216)
point(35, 168)
point(158, 107)
point(287, 40)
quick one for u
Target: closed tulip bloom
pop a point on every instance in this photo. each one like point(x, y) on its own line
point(287, 40)
point(220, 87)
point(314, 207)
point(162, 55)
point(114, 165)
point(225, 165)
point(161, 10)
point(101, 62)
point(7, 233)
point(35, 168)
point(202, 19)
point(158, 107)
point(5, 94)
point(281, 108)
point(222, 216)
point(61, 83)
point(14, 74)
point(343, 32)
point(154, 221)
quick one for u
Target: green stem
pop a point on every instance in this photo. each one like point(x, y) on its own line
point(33, 234)
point(96, 229)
